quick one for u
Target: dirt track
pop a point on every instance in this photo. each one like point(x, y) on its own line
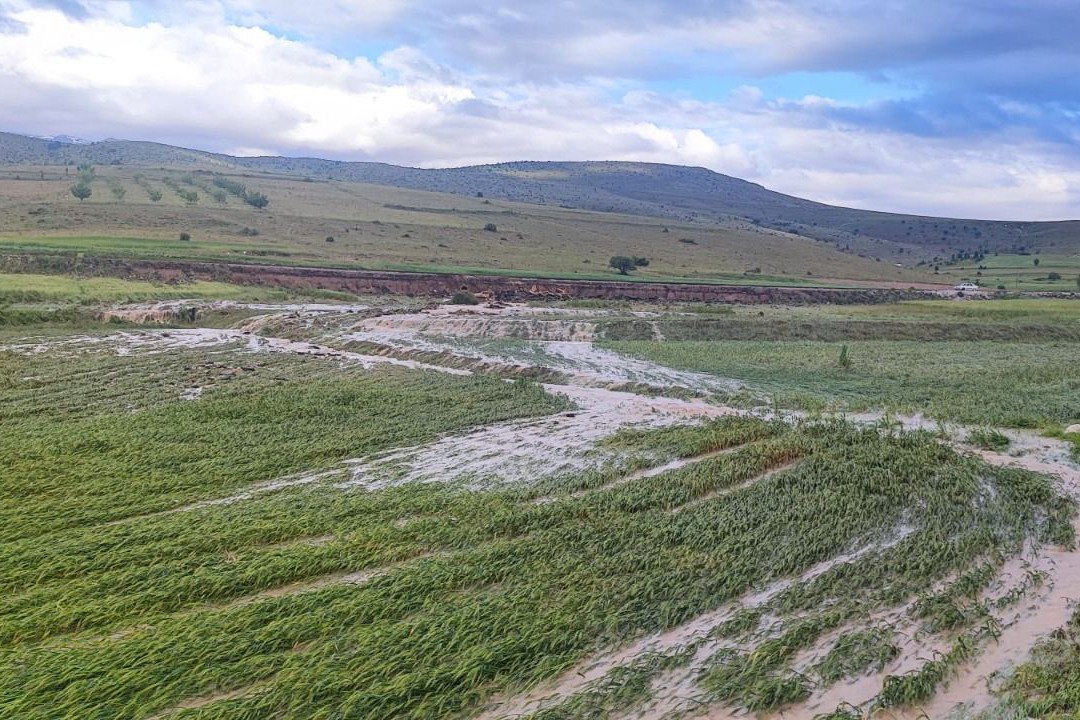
point(370, 282)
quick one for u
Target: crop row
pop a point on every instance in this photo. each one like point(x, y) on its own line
point(500, 592)
point(67, 469)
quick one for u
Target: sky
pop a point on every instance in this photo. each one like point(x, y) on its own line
point(966, 108)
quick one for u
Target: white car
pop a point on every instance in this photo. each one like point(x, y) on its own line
point(966, 287)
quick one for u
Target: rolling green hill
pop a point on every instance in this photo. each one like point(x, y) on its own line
point(557, 217)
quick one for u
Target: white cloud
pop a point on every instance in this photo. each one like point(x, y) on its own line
point(317, 16)
point(194, 78)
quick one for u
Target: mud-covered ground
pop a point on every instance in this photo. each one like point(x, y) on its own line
point(611, 393)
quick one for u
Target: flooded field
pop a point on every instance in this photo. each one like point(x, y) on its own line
point(495, 511)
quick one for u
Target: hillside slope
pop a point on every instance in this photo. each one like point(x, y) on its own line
point(683, 194)
point(142, 212)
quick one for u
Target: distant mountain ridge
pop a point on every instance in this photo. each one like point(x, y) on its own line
point(65, 139)
point(682, 194)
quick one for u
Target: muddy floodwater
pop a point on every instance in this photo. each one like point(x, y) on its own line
point(602, 386)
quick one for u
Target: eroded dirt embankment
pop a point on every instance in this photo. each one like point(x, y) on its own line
point(368, 282)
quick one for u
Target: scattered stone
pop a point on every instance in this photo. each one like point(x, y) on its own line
point(1073, 429)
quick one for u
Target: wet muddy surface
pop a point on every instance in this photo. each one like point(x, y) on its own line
point(524, 451)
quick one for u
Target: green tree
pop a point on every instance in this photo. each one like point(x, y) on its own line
point(232, 186)
point(622, 263)
point(1036, 261)
point(81, 190)
point(256, 199)
point(118, 191)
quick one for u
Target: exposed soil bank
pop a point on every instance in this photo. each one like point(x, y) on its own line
point(366, 282)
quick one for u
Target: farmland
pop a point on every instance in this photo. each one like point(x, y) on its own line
point(389, 510)
point(333, 223)
point(1011, 385)
point(1051, 272)
point(227, 501)
point(38, 289)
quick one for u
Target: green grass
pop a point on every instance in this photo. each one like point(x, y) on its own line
point(857, 652)
point(981, 383)
point(1004, 320)
point(1048, 685)
point(121, 599)
point(19, 288)
point(1011, 310)
point(1019, 272)
point(619, 690)
point(67, 467)
point(481, 592)
point(110, 245)
point(282, 254)
point(989, 439)
point(1016, 312)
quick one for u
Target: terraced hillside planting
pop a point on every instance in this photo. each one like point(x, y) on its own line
point(383, 510)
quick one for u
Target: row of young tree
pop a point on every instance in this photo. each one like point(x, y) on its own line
point(151, 192)
point(82, 189)
point(251, 197)
point(188, 196)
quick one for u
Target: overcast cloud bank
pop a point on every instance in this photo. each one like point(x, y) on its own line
point(957, 108)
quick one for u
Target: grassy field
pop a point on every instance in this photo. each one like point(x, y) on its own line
point(1015, 311)
point(1003, 384)
point(27, 288)
point(996, 362)
point(426, 601)
point(55, 303)
point(1020, 272)
point(379, 227)
point(224, 553)
point(75, 454)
